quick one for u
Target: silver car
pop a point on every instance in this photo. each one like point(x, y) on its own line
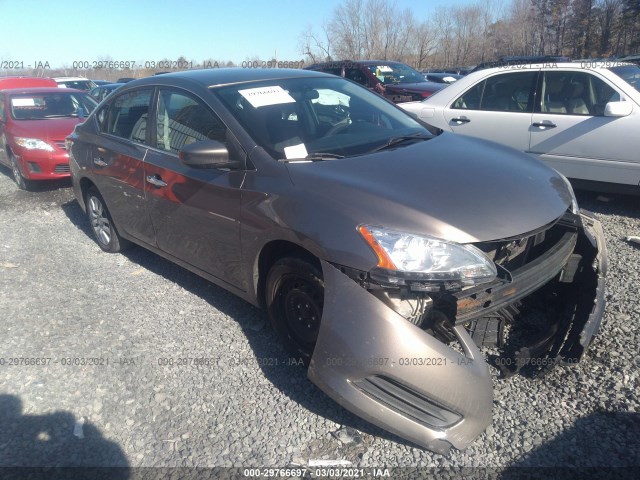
point(581, 118)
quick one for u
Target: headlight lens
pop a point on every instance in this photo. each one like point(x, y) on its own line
point(574, 203)
point(33, 144)
point(432, 258)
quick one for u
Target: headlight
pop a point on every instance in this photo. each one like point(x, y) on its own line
point(430, 258)
point(33, 144)
point(574, 203)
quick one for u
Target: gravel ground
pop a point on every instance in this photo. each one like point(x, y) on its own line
point(63, 298)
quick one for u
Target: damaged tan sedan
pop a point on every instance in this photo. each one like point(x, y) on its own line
point(385, 252)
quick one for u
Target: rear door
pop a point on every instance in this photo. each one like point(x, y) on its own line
point(195, 211)
point(117, 160)
point(571, 133)
point(497, 108)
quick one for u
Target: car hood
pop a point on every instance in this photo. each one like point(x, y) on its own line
point(451, 187)
point(48, 129)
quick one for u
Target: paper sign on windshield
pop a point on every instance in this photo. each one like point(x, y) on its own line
point(295, 151)
point(263, 96)
point(385, 68)
point(23, 102)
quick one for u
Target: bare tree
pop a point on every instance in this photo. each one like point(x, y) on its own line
point(315, 47)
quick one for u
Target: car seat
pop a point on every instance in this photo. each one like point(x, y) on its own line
point(552, 101)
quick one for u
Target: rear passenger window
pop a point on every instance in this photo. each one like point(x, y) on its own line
point(183, 119)
point(508, 92)
point(575, 93)
point(126, 116)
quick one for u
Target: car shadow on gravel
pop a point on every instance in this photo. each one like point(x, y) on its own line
point(610, 204)
point(54, 446)
point(43, 186)
point(594, 446)
point(287, 374)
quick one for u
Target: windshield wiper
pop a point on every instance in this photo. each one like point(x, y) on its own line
point(394, 141)
point(314, 157)
point(62, 115)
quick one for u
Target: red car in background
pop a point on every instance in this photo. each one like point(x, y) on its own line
point(34, 123)
point(394, 80)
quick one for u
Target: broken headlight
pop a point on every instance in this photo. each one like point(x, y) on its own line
point(427, 258)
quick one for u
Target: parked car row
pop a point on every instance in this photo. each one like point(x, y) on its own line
point(393, 80)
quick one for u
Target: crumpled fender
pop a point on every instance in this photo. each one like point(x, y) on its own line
point(393, 374)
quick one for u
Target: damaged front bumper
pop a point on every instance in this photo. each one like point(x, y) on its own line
point(399, 376)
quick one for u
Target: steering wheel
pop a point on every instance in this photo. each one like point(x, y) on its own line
point(338, 127)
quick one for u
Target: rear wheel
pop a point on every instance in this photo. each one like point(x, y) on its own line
point(295, 298)
point(101, 223)
point(21, 182)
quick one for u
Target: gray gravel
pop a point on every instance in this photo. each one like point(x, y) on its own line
point(61, 298)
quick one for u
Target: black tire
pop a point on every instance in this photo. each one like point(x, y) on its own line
point(102, 224)
point(294, 298)
point(21, 182)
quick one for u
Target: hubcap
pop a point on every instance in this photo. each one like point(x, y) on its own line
point(17, 176)
point(99, 221)
point(302, 308)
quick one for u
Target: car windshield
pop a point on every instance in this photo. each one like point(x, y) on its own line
point(390, 73)
point(39, 106)
point(317, 117)
point(629, 73)
point(78, 84)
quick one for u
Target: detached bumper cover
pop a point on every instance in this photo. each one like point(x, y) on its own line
point(383, 368)
point(375, 363)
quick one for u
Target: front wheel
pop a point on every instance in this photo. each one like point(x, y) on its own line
point(21, 182)
point(294, 298)
point(101, 223)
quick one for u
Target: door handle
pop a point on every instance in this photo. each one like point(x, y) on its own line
point(98, 161)
point(461, 120)
point(545, 124)
point(156, 181)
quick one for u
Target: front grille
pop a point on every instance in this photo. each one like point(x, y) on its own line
point(513, 253)
point(61, 144)
point(62, 168)
point(407, 402)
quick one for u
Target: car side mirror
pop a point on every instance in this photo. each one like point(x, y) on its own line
point(207, 154)
point(617, 109)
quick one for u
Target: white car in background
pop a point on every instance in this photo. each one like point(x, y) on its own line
point(581, 118)
point(79, 83)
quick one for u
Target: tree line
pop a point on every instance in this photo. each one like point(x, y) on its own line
point(476, 32)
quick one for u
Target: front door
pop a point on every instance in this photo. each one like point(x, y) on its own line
point(195, 211)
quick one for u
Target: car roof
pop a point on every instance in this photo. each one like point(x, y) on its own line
point(22, 81)
point(577, 65)
point(69, 78)
point(18, 91)
point(223, 76)
point(356, 62)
